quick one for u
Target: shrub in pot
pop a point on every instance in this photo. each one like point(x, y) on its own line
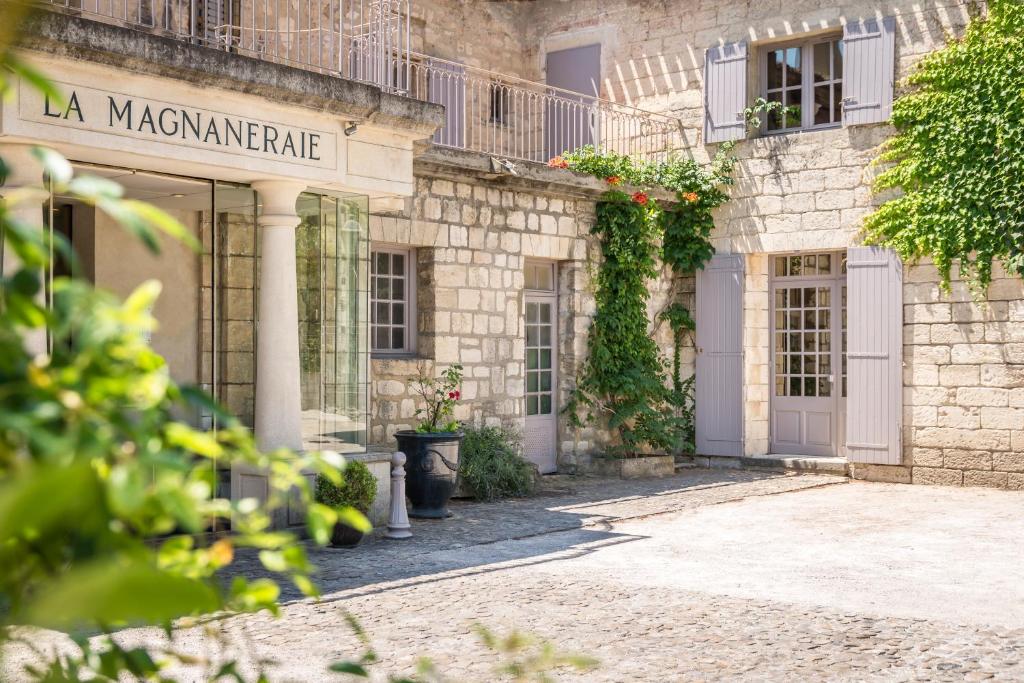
point(432, 449)
point(357, 490)
point(490, 465)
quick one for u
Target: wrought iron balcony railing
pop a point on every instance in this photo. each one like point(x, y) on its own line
point(364, 40)
point(369, 41)
point(510, 117)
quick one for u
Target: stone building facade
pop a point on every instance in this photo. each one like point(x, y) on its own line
point(803, 192)
point(454, 223)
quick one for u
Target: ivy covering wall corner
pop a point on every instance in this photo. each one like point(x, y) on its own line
point(958, 155)
point(625, 378)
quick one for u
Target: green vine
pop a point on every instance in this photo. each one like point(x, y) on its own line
point(958, 157)
point(624, 378)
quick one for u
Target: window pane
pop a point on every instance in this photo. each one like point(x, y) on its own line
point(531, 359)
point(810, 384)
point(545, 358)
point(794, 386)
point(531, 335)
point(398, 314)
point(775, 117)
point(398, 338)
point(822, 104)
point(795, 268)
point(780, 386)
point(382, 339)
point(824, 265)
point(545, 381)
point(775, 69)
point(381, 263)
point(794, 108)
point(837, 101)
point(398, 264)
point(531, 405)
point(838, 50)
point(398, 289)
point(531, 381)
point(794, 74)
point(780, 266)
point(545, 335)
point(531, 313)
point(382, 314)
point(545, 404)
point(383, 288)
point(822, 70)
point(545, 313)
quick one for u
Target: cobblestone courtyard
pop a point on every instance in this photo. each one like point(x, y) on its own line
point(709, 575)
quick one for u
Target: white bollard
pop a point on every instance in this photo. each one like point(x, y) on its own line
point(398, 518)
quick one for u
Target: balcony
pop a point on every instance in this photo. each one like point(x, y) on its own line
point(369, 41)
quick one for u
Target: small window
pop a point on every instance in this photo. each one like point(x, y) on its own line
point(806, 79)
point(392, 300)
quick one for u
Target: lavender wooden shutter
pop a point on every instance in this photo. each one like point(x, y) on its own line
point(869, 68)
point(447, 86)
point(874, 402)
point(719, 400)
point(725, 92)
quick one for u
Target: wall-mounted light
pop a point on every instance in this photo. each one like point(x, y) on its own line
point(350, 128)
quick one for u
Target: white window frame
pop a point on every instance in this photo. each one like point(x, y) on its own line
point(409, 323)
point(807, 83)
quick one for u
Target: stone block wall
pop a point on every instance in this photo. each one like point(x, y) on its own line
point(472, 237)
point(963, 382)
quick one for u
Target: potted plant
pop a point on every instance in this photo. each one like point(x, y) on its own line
point(358, 490)
point(432, 449)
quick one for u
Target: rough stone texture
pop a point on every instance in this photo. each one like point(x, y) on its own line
point(472, 236)
point(627, 571)
point(963, 417)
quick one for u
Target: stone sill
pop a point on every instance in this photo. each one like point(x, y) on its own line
point(73, 37)
point(801, 463)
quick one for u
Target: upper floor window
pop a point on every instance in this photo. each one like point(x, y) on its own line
point(807, 80)
point(392, 300)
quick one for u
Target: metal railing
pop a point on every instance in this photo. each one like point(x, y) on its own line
point(369, 41)
point(510, 117)
point(364, 40)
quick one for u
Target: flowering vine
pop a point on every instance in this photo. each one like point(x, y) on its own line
point(624, 378)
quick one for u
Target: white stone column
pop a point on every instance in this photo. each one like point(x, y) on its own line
point(278, 402)
point(25, 171)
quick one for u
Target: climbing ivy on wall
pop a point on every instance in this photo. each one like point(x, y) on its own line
point(958, 156)
point(624, 378)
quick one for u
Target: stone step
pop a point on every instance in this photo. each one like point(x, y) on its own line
point(802, 463)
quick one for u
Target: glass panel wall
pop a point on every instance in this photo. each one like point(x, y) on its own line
point(332, 267)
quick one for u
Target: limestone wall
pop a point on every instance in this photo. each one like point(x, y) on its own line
point(472, 238)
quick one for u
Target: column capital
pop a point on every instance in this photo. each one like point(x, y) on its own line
point(278, 198)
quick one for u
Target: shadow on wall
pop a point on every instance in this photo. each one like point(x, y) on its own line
point(656, 58)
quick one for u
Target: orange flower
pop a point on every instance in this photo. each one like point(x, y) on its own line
point(690, 196)
point(613, 180)
point(558, 162)
point(640, 198)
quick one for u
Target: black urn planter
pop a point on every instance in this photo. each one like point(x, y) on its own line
point(344, 536)
point(431, 471)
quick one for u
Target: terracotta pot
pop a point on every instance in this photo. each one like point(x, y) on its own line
point(431, 471)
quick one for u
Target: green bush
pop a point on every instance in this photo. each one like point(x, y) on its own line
point(358, 489)
point(490, 465)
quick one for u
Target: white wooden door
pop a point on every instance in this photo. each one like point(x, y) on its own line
point(807, 293)
point(541, 367)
